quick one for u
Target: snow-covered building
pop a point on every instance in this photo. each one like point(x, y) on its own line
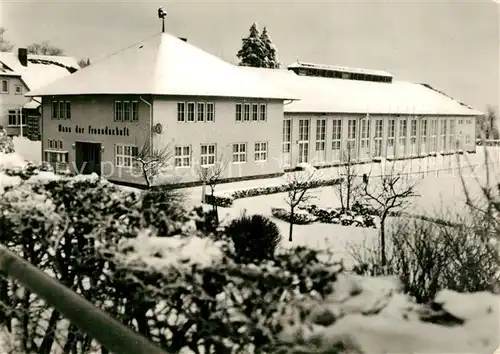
point(167, 92)
point(172, 94)
point(21, 73)
point(365, 114)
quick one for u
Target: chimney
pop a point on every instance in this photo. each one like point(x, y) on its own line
point(22, 55)
point(183, 39)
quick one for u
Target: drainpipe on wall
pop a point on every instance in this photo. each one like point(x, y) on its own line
point(150, 122)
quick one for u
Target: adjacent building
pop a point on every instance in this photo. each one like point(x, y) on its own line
point(20, 73)
point(364, 114)
point(165, 92)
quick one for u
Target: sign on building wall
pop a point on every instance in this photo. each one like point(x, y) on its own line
point(95, 131)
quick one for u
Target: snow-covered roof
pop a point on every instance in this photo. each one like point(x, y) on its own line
point(41, 69)
point(329, 95)
point(301, 64)
point(164, 65)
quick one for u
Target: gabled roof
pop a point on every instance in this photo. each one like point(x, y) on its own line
point(41, 69)
point(164, 65)
point(329, 95)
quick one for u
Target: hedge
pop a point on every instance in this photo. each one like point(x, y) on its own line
point(226, 200)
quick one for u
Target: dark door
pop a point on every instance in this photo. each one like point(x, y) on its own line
point(88, 158)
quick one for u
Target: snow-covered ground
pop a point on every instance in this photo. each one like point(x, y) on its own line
point(440, 189)
point(29, 150)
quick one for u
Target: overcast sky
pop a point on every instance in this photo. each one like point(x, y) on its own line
point(451, 45)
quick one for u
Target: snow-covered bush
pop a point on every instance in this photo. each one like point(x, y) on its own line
point(371, 316)
point(6, 144)
point(223, 201)
point(226, 199)
point(430, 256)
point(359, 216)
point(150, 263)
point(300, 217)
point(255, 237)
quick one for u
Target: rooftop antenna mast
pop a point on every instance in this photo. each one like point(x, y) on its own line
point(162, 14)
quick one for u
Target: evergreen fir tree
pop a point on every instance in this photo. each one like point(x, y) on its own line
point(271, 58)
point(252, 52)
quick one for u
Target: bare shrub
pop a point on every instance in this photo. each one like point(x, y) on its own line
point(429, 257)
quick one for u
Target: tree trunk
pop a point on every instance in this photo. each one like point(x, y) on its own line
point(383, 258)
point(348, 195)
point(290, 238)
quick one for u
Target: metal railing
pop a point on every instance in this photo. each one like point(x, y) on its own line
point(114, 336)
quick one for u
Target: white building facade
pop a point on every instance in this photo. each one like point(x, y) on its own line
point(167, 92)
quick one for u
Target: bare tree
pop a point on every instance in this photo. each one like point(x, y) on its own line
point(152, 161)
point(487, 125)
point(210, 175)
point(298, 191)
point(5, 45)
point(44, 48)
point(389, 193)
point(350, 186)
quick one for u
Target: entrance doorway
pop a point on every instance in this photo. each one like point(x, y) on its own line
point(88, 158)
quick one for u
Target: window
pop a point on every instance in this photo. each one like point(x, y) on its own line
point(62, 110)
point(468, 139)
point(58, 159)
point(246, 112)
point(260, 152)
point(351, 138)
point(135, 111)
point(55, 144)
point(190, 112)
point(16, 118)
point(263, 112)
point(336, 139)
point(403, 131)
point(5, 86)
point(423, 136)
point(18, 89)
point(55, 110)
point(68, 110)
point(210, 111)
point(200, 112)
point(413, 136)
point(287, 141)
point(181, 111)
point(118, 111)
point(379, 125)
point(238, 112)
point(365, 138)
point(391, 136)
point(207, 157)
point(239, 153)
point(303, 140)
point(442, 135)
point(255, 112)
point(182, 156)
point(320, 140)
point(13, 117)
point(126, 111)
point(433, 135)
point(451, 132)
point(124, 155)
